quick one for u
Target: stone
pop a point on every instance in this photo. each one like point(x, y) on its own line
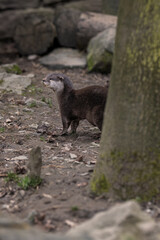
point(90, 24)
point(110, 6)
point(34, 35)
point(18, 4)
point(85, 5)
point(15, 83)
point(123, 221)
point(100, 51)
point(35, 162)
point(33, 102)
point(13, 17)
point(51, 2)
point(66, 25)
point(64, 58)
point(8, 27)
point(20, 158)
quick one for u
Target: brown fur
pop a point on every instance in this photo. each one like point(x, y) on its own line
point(75, 105)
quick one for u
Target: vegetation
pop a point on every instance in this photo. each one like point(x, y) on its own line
point(47, 101)
point(32, 104)
point(13, 69)
point(24, 182)
point(2, 129)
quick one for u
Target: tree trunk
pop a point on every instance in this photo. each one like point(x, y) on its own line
point(129, 164)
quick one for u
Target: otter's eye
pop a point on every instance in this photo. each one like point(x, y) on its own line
point(61, 78)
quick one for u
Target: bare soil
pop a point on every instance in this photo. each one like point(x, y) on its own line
point(63, 199)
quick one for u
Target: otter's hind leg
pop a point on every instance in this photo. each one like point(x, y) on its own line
point(74, 125)
point(66, 125)
point(98, 117)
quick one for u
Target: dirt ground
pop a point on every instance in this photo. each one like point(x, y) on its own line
point(63, 199)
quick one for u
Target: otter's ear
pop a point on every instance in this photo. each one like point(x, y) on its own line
point(61, 78)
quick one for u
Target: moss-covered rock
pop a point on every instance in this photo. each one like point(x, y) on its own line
point(100, 51)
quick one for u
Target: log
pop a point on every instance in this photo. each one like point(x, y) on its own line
point(90, 24)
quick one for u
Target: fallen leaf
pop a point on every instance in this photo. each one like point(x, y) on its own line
point(47, 195)
point(70, 223)
point(83, 184)
point(72, 155)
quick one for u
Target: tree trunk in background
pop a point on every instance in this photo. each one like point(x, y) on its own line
point(110, 6)
point(129, 164)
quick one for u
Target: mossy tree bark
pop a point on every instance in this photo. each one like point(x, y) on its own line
point(129, 164)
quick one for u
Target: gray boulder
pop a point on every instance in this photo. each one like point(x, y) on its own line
point(34, 35)
point(123, 221)
point(18, 4)
point(90, 24)
point(8, 27)
point(64, 58)
point(66, 25)
point(51, 2)
point(100, 51)
point(111, 6)
point(10, 81)
point(13, 17)
point(85, 5)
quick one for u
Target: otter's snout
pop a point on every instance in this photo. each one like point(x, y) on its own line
point(45, 82)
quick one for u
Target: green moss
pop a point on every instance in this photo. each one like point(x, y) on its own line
point(74, 208)
point(32, 90)
point(138, 175)
point(32, 104)
point(90, 62)
point(47, 101)
point(2, 129)
point(24, 182)
point(101, 63)
point(13, 69)
point(100, 185)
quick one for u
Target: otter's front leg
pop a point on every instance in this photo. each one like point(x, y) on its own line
point(66, 123)
point(74, 125)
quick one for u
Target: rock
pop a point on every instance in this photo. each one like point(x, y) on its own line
point(13, 17)
point(122, 221)
point(35, 162)
point(90, 24)
point(10, 68)
point(19, 158)
point(51, 2)
point(72, 155)
point(15, 83)
point(32, 57)
point(8, 27)
point(100, 51)
point(111, 6)
point(17, 4)
point(33, 126)
point(43, 13)
point(85, 5)
point(34, 34)
point(31, 102)
point(64, 58)
point(66, 25)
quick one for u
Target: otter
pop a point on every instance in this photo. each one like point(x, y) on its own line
point(75, 105)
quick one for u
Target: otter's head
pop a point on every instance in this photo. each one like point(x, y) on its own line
point(55, 82)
